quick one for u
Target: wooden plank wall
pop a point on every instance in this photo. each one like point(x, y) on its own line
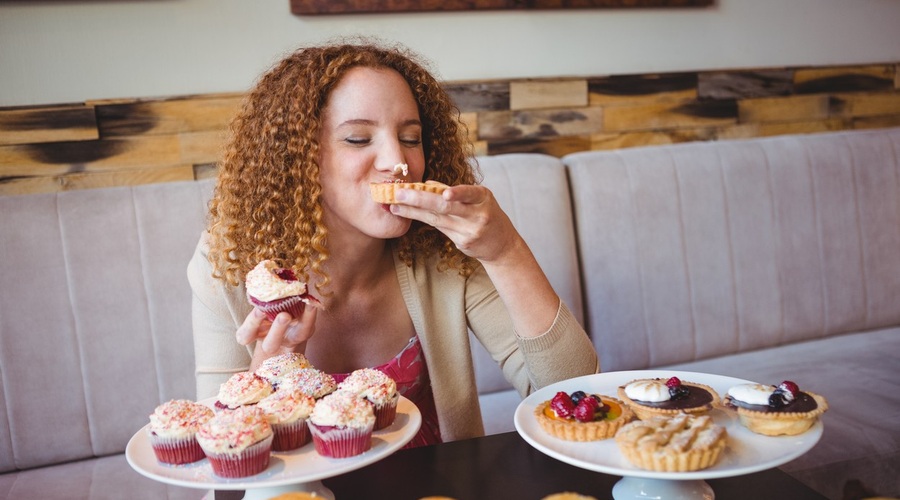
point(137, 141)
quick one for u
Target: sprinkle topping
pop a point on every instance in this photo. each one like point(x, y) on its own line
point(310, 381)
point(371, 384)
point(275, 368)
point(179, 418)
point(243, 388)
point(343, 409)
point(285, 407)
point(233, 431)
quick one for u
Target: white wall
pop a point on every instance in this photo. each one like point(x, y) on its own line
point(70, 51)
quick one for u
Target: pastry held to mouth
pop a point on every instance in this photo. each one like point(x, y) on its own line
point(385, 192)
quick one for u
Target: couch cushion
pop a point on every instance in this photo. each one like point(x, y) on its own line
point(700, 250)
point(518, 181)
point(106, 478)
point(95, 319)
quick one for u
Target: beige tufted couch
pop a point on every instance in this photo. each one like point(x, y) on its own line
point(762, 259)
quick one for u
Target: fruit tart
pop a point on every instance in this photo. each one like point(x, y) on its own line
point(775, 411)
point(582, 417)
point(651, 397)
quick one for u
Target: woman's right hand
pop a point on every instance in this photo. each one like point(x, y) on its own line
point(285, 334)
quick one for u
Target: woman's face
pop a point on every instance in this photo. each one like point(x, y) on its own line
point(370, 124)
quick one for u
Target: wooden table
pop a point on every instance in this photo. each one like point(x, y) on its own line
point(504, 466)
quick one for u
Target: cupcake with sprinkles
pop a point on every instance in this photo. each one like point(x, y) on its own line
point(310, 381)
point(341, 424)
point(237, 443)
point(275, 368)
point(377, 388)
point(273, 289)
point(287, 412)
point(242, 389)
point(173, 431)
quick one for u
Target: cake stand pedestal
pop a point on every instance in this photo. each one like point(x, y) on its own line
point(316, 487)
point(642, 488)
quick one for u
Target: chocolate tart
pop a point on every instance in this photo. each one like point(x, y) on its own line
point(699, 399)
point(571, 429)
point(794, 418)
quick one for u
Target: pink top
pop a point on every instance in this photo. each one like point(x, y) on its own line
point(409, 371)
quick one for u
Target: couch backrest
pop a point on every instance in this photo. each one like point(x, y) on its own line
point(95, 316)
point(701, 249)
point(533, 191)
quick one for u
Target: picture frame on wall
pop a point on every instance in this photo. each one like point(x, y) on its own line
point(322, 7)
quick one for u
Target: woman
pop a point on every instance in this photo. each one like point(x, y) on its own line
point(401, 284)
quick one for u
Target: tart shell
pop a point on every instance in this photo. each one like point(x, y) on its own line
point(780, 423)
point(645, 412)
point(573, 430)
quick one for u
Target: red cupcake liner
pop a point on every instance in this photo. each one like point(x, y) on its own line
point(252, 460)
point(337, 442)
point(294, 305)
point(290, 436)
point(176, 451)
point(386, 413)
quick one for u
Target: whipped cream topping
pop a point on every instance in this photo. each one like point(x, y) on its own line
point(243, 388)
point(275, 368)
point(343, 409)
point(179, 418)
point(263, 283)
point(652, 391)
point(371, 384)
point(752, 394)
point(234, 430)
point(310, 381)
point(401, 168)
point(285, 407)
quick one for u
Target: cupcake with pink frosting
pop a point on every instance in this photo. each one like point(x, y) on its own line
point(242, 389)
point(237, 443)
point(275, 368)
point(377, 388)
point(173, 431)
point(273, 289)
point(341, 424)
point(287, 412)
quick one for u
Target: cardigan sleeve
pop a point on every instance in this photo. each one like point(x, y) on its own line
point(217, 311)
point(564, 351)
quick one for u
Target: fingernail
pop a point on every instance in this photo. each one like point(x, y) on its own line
point(400, 194)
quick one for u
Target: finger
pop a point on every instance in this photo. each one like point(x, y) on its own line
point(275, 337)
point(249, 329)
point(301, 330)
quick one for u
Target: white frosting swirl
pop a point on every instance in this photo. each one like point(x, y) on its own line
point(264, 284)
point(179, 418)
point(371, 384)
point(234, 430)
point(285, 407)
point(243, 388)
point(752, 394)
point(343, 409)
point(310, 381)
point(401, 168)
point(652, 391)
point(275, 368)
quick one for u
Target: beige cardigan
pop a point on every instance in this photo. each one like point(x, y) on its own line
point(443, 307)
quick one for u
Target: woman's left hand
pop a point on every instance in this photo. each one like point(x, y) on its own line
point(469, 215)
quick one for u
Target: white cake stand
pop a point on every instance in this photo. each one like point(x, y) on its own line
point(745, 453)
point(298, 470)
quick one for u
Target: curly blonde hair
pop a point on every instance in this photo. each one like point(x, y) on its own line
point(267, 201)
